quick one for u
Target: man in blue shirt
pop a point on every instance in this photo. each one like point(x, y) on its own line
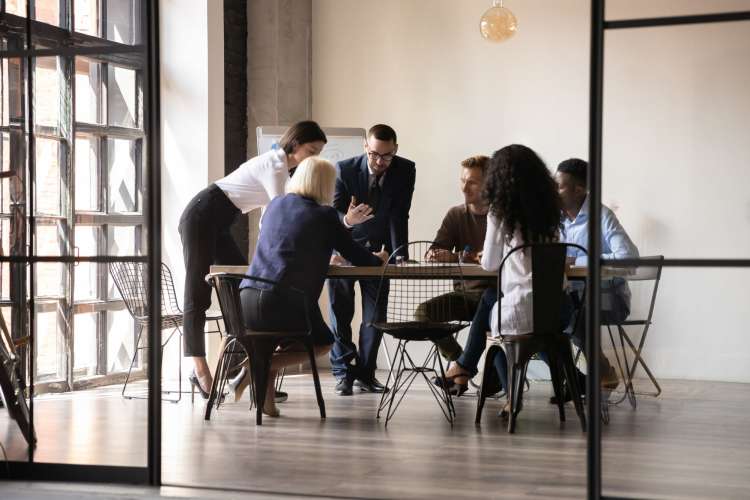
point(571, 177)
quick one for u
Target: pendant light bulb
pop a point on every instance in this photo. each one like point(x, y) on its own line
point(497, 23)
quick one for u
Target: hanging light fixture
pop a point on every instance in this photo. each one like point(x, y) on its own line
point(497, 23)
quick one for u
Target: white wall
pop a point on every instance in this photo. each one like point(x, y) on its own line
point(675, 137)
point(192, 112)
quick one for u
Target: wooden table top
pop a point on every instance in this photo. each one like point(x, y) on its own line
point(416, 271)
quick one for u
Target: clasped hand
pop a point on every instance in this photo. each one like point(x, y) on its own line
point(443, 255)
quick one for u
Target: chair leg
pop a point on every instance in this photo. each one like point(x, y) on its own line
point(316, 378)
point(629, 389)
point(391, 376)
point(515, 374)
point(260, 352)
point(280, 379)
point(622, 372)
point(399, 386)
point(639, 359)
point(488, 366)
point(132, 362)
point(572, 380)
point(387, 356)
point(557, 386)
point(442, 395)
point(516, 402)
point(218, 375)
point(179, 368)
point(393, 373)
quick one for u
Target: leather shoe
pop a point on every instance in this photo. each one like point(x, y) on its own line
point(344, 387)
point(372, 385)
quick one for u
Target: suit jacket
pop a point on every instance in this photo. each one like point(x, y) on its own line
point(296, 240)
point(390, 226)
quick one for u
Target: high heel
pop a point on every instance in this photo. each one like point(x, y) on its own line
point(239, 383)
point(195, 383)
point(275, 413)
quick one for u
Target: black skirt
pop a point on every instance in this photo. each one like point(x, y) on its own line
point(271, 310)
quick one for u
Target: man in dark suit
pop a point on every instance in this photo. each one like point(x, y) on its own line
point(385, 182)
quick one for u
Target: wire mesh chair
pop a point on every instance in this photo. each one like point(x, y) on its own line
point(131, 280)
point(548, 271)
point(406, 286)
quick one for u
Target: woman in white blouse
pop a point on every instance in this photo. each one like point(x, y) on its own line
point(524, 207)
point(204, 228)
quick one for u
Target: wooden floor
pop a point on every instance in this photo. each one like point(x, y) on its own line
point(692, 442)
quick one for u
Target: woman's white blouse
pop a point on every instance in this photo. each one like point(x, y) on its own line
point(515, 282)
point(257, 181)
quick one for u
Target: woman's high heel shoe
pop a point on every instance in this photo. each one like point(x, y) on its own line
point(239, 383)
point(195, 383)
point(275, 413)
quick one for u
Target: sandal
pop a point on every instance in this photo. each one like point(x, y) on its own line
point(456, 384)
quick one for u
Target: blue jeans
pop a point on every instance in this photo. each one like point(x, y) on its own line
point(344, 353)
point(477, 340)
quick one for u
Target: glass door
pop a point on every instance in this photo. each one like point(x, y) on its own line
point(72, 203)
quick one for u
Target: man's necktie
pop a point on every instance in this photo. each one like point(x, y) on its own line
point(373, 196)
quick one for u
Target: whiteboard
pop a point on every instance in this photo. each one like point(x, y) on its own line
point(342, 143)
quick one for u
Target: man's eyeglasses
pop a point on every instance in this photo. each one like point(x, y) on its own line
point(387, 158)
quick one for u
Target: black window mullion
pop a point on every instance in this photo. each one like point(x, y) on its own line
point(67, 18)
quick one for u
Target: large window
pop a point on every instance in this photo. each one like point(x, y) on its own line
point(87, 187)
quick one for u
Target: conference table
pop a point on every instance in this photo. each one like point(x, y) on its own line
point(430, 271)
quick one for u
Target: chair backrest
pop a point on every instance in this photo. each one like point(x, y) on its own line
point(650, 271)
point(169, 304)
point(547, 278)
point(131, 280)
point(227, 286)
point(407, 292)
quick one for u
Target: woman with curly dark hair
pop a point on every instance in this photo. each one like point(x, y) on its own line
point(524, 207)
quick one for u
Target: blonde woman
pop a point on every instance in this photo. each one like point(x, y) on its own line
point(204, 229)
point(298, 234)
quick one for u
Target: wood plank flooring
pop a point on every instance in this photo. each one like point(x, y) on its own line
point(692, 442)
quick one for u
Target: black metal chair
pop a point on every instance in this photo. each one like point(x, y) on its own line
point(258, 345)
point(131, 280)
point(637, 275)
point(405, 286)
point(548, 272)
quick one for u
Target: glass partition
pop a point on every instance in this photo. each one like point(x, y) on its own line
point(676, 424)
point(73, 203)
